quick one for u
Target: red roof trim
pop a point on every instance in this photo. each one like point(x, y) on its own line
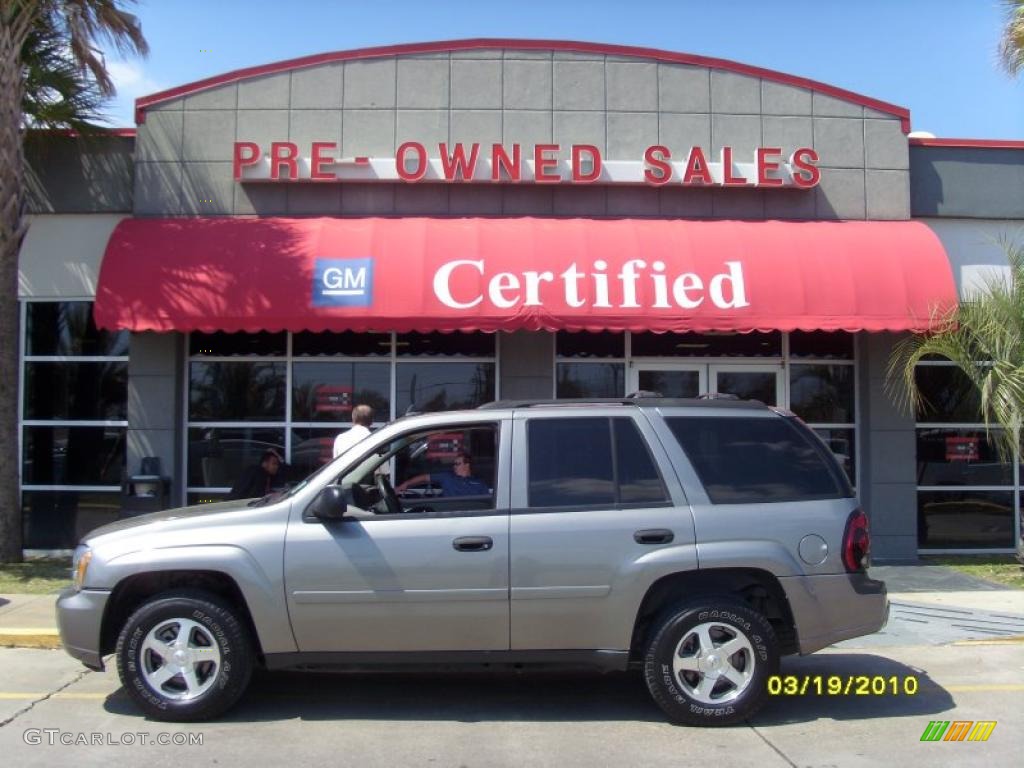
point(965, 143)
point(409, 49)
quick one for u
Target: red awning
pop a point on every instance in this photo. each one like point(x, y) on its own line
point(422, 274)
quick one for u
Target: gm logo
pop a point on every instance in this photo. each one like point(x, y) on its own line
point(343, 283)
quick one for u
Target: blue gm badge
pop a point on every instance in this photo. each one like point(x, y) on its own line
point(343, 283)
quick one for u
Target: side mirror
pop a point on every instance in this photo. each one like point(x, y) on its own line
point(330, 504)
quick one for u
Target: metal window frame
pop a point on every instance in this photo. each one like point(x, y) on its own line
point(23, 361)
point(1014, 488)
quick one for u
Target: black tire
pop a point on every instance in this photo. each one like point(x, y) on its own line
point(219, 622)
point(675, 693)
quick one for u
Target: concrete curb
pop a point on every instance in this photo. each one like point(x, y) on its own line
point(1008, 640)
point(29, 637)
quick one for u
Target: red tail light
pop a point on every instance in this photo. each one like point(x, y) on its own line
point(856, 541)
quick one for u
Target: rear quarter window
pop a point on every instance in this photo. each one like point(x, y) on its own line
point(756, 460)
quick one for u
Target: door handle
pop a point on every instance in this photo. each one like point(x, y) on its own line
point(654, 536)
point(473, 543)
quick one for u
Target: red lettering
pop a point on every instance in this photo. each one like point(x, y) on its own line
point(421, 161)
point(697, 171)
point(577, 161)
point(319, 160)
point(456, 164)
point(657, 158)
point(727, 176)
point(803, 161)
point(764, 166)
point(283, 153)
point(245, 153)
point(500, 161)
point(541, 164)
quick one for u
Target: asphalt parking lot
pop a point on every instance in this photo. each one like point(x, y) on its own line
point(502, 718)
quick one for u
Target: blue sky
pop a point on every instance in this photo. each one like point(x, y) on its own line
point(936, 58)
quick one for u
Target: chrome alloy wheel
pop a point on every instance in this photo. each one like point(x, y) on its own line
point(180, 659)
point(714, 662)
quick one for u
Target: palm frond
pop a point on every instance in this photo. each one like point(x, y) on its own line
point(1011, 45)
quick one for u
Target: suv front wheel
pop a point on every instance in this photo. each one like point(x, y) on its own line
point(708, 662)
point(184, 656)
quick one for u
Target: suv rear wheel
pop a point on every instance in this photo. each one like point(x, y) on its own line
point(708, 662)
point(184, 656)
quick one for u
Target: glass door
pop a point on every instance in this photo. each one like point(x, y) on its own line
point(747, 382)
point(670, 379)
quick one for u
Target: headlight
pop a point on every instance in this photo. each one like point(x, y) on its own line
point(80, 565)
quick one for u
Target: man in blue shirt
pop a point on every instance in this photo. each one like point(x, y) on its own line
point(458, 481)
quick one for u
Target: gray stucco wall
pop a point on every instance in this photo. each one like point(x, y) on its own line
point(888, 456)
point(154, 404)
point(622, 105)
point(79, 175)
point(967, 182)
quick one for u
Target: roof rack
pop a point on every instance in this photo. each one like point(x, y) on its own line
point(645, 400)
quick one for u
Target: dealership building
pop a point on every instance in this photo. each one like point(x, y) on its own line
point(435, 226)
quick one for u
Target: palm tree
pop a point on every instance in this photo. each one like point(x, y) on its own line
point(1011, 46)
point(984, 338)
point(52, 74)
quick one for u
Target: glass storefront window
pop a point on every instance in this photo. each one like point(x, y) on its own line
point(949, 395)
point(59, 519)
point(671, 383)
point(591, 380)
point(965, 519)
point(960, 457)
point(311, 449)
point(73, 455)
point(822, 393)
point(706, 344)
point(67, 328)
point(328, 391)
point(454, 344)
point(217, 456)
point(443, 386)
point(69, 390)
point(71, 470)
point(347, 343)
point(843, 444)
point(221, 344)
point(582, 344)
point(237, 391)
point(822, 345)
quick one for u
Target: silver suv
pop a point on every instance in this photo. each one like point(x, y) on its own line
point(695, 541)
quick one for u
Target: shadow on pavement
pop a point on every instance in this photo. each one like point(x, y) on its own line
point(3, 601)
point(472, 696)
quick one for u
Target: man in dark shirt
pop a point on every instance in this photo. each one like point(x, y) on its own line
point(458, 481)
point(257, 480)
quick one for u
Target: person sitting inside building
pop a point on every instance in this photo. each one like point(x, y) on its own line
point(458, 481)
point(362, 418)
point(258, 479)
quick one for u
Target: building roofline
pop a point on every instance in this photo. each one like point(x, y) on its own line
point(411, 49)
point(918, 141)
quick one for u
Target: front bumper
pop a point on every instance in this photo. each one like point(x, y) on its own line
point(830, 608)
point(79, 620)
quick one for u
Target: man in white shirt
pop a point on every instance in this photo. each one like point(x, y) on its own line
point(362, 418)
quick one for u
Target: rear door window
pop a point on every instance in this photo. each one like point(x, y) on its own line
point(755, 460)
point(590, 461)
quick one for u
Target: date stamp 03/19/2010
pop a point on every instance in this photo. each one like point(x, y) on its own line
point(842, 685)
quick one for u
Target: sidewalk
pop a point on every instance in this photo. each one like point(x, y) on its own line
point(946, 606)
point(28, 621)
